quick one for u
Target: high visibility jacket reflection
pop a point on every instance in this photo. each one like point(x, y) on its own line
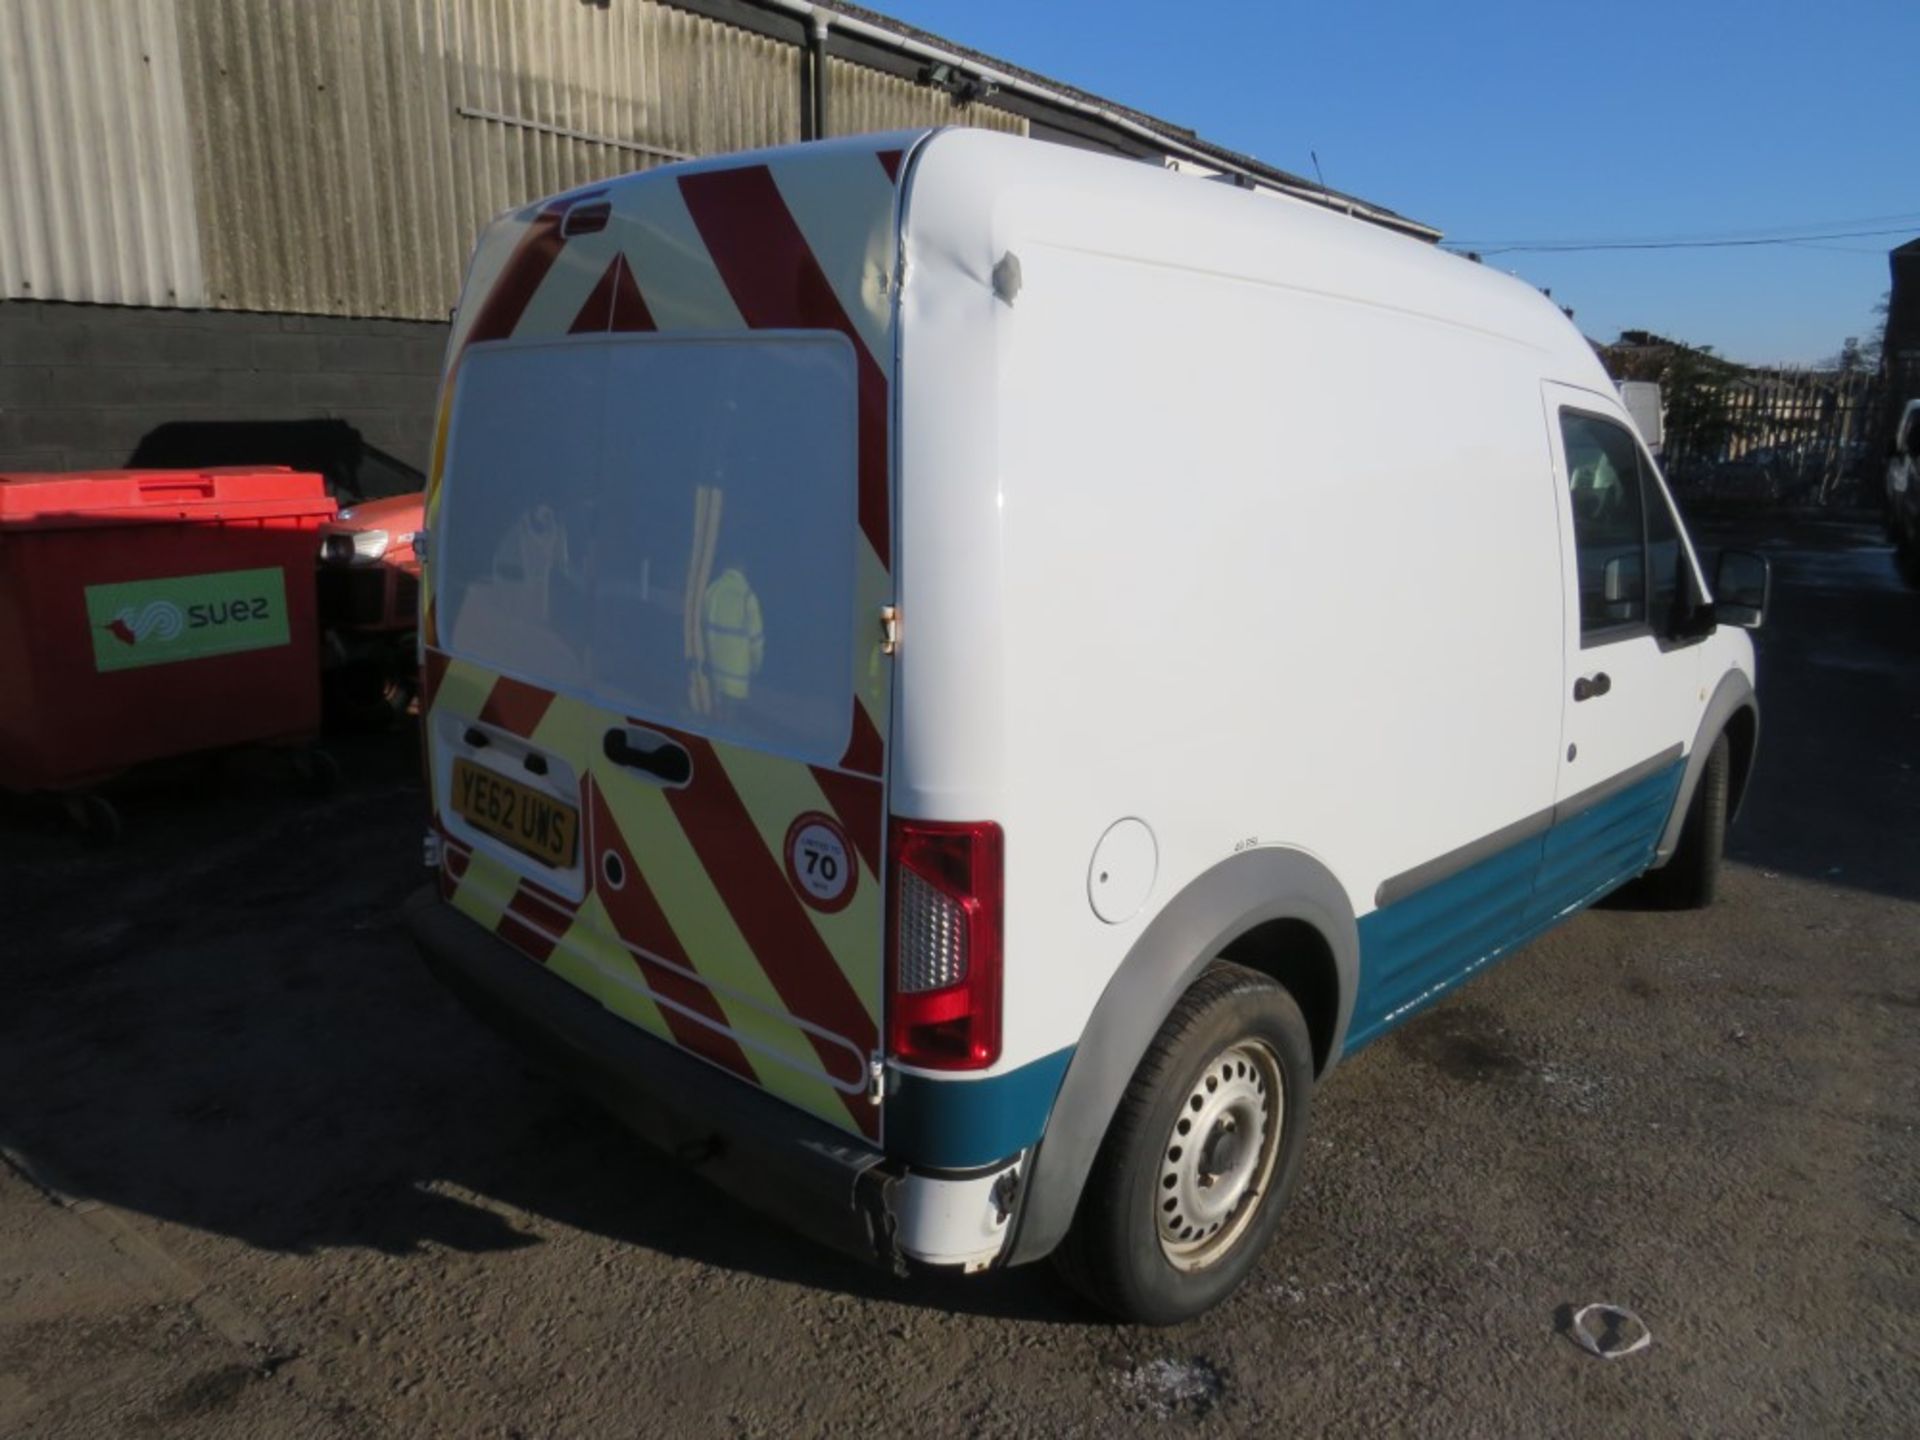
point(735, 641)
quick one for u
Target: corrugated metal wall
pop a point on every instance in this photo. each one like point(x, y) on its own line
point(375, 137)
point(95, 197)
point(338, 157)
point(321, 134)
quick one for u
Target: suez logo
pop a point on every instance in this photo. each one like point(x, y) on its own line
point(163, 621)
point(159, 618)
point(186, 617)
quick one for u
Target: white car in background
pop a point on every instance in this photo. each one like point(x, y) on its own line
point(1903, 492)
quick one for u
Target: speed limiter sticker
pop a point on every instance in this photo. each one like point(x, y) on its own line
point(820, 862)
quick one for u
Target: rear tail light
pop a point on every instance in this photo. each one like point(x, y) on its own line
point(943, 944)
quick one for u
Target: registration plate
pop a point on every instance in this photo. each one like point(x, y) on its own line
point(532, 822)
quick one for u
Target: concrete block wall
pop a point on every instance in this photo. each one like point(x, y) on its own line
point(80, 384)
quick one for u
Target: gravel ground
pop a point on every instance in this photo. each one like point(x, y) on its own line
point(263, 1178)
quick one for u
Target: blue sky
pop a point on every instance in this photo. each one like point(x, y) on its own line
point(1544, 120)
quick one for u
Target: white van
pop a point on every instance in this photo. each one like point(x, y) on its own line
point(962, 676)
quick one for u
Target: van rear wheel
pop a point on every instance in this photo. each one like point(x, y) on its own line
point(1201, 1157)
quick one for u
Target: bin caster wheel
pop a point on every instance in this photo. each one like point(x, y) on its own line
point(96, 819)
point(317, 771)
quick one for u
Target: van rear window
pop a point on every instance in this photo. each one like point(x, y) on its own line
point(663, 525)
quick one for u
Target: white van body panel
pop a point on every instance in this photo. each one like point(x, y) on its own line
point(1241, 519)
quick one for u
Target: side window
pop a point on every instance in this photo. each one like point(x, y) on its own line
point(1603, 476)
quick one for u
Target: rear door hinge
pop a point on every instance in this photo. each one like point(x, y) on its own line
point(876, 1080)
point(889, 629)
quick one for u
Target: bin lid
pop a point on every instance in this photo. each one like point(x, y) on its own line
point(62, 500)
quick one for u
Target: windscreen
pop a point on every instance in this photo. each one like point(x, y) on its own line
point(662, 525)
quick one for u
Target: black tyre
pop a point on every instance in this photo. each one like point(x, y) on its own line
point(1201, 1157)
point(1690, 879)
point(1906, 559)
point(363, 698)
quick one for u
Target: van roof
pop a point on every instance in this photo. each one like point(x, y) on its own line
point(1258, 235)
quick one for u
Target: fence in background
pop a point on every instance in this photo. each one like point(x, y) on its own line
point(1782, 436)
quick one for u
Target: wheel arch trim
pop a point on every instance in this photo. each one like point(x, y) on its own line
point(1733, 694)
point(1218, 907)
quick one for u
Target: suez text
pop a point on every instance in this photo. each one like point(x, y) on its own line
point(228, 612)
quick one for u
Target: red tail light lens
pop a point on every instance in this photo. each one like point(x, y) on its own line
point(943, 944)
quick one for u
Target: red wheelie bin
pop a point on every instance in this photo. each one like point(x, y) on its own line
point(153, 613)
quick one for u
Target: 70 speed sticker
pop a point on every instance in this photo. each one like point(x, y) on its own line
point(820, 862)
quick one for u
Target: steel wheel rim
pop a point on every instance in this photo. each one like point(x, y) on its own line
point(1218, 1156)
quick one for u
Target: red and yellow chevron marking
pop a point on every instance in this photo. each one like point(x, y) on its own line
point(695, 1018)
point(778, 285)
point(538, 248)
point(704, 941)
point(615, 304)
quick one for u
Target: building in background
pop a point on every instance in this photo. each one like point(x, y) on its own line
point(252, 210)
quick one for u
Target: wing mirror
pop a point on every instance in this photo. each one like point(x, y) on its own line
point(1624, 586)
point(1742, 588)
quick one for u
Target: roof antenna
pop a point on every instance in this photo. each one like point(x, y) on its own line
point(1326, 194)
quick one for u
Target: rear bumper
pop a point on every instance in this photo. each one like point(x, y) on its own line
point(759, 1150)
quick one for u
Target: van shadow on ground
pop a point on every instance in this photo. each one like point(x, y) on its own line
point(1839, 760)
point(220, 1025)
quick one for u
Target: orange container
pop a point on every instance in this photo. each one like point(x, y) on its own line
point(149, 613)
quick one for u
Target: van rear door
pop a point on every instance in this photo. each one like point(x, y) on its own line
point(657, 703)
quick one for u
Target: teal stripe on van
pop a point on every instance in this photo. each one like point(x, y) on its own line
point(1592, 852)
point(1417, 948)
point(959, 1124)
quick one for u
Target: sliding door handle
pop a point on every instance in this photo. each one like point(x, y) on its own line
point(1589, 686)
